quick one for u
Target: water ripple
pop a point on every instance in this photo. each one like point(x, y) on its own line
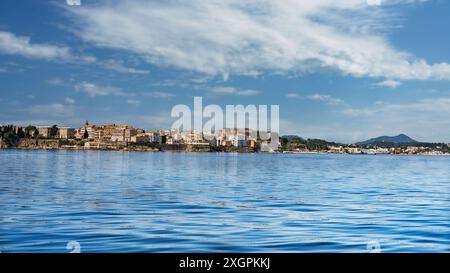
point(188, 202)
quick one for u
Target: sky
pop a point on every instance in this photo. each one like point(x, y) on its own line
point(343, 71)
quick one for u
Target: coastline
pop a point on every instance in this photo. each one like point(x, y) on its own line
point(158, 150)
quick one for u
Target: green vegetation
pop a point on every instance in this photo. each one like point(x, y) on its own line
point(72, 142)
point(31, 131)
point(10, 135)
point(290, 143)
point(54, 131)
point(10, 138)
point(217, 149)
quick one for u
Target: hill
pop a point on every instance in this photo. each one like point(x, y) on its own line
point(400, 139)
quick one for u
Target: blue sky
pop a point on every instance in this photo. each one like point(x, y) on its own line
point(340, 70)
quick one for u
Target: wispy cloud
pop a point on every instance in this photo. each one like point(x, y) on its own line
point(292, 96)
point(155, 121)
point(436, 106)
point(119, 66)
point(15, 45)
point(326, 99)
point(227, 90)
point(94, 90)
point(69, 100)
point(248, 37)
point(11, 44)
point(426, 119)
point(55, 82)
point(134, 102)
point(160, 95)
point(14, 67)
point(55, 110)
point(389, 84)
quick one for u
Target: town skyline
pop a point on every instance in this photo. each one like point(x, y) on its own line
point(122, 125)
point(123, 137)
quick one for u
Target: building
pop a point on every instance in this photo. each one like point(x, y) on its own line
point(87, 131)
point(129, 132)
point(353, 150)
point(95, 145)
point(66, 133)
point(175, 137)
point(154, 137)
point(336, 149)
point(140, 139)
point(237, 140)
point(112, 132)
point(118, 135)
point(169, 140)
point(47, 131)
point(105, 132)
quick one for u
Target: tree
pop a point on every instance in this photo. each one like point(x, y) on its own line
point(31, 131)
point(20, 133)
point(10, 138)
point(163, 139)
point(53, 131)
point(283, 141)
point(86, 134)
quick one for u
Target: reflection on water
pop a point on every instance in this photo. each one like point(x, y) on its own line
point(206, 202)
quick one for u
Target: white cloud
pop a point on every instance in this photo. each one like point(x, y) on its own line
point(325, 98)
point(69, 100)
point(389, 83)
point(14, 67)
point(56, 110)
point(328, 99)
point(94, 90)
point(292, 96)
point(55, 82)
point(239, 37)
point(373, 2)
point(425, 119)
point(437, 106)
point(120, 67)
point(157, 121)
point(15, 45)
point(12, 44)
point(227, 90)
point(161, 95)
point(134, 102)
point(73, 2)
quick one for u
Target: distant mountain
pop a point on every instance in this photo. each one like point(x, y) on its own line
point(400, 139)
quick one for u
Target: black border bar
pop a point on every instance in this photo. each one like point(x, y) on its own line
point(233, 262)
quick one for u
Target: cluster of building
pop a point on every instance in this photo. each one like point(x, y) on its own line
point(108, 135)
point(112, 136)
point(357, 150)
point(411, 150)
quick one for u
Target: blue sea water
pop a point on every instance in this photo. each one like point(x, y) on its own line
point(207, 202)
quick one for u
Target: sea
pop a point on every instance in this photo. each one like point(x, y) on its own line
point(156, 202)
